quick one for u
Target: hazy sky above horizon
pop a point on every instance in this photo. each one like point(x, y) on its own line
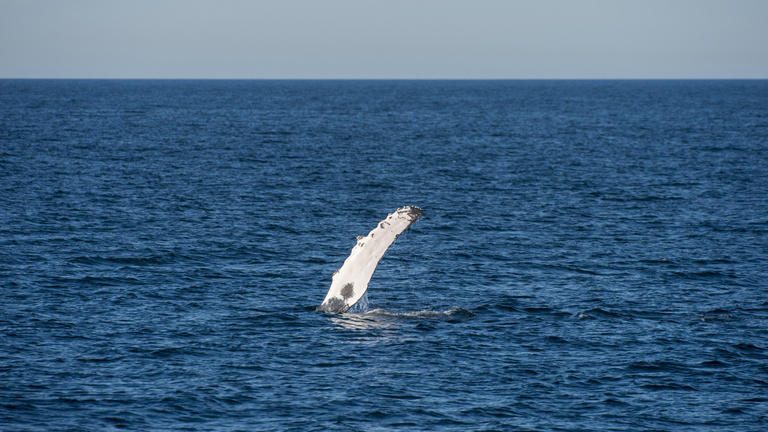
point(384, 39)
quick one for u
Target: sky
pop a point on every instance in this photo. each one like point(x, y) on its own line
point(421, 39)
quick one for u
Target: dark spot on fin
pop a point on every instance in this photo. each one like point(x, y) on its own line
point(348, 290)
point(414, 213)
point(335, 305)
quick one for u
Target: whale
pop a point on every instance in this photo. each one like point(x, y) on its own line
point(350, 282)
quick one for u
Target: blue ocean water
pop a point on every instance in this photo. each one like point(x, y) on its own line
point(593, 255)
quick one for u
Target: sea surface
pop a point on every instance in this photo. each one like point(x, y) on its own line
point(593, 255)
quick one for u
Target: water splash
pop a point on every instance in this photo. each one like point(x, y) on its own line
point(361, 306)
point(384, 319)
point(426, 313)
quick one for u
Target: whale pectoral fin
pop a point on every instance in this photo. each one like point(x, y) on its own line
point(362, 262)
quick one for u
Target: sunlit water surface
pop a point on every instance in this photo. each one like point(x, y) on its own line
point(592, 255)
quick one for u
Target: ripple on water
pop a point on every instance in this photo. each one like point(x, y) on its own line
point(591, 256)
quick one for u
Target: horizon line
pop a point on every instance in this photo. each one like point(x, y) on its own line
point(389, 78)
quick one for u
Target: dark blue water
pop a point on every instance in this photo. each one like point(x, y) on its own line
point(593, 255)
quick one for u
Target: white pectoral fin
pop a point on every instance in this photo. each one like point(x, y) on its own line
point(350, 282)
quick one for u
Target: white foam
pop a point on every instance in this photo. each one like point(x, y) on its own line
point(384, 319)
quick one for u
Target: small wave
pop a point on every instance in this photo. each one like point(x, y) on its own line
point(101, 281)
point(556, 340)
point(717, 315)
point(668, 386)
point(713, 364)
point(168, 352)
point(716, 149)
point(658, 261)
point(703, 274)
point(538, 310)
point(747, 347)
point(756, 399)
point(597, 313)
point(452, 312)
point(734, 410)
point(381, 318)
point(489, 411)
point(97, 359)
point(568, 269)
point(656, 366)
point(124, 260)
point(507, 307)
point(615, 402)
point(612, 197)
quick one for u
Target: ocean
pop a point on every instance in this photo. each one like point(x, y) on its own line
point(593, 255)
